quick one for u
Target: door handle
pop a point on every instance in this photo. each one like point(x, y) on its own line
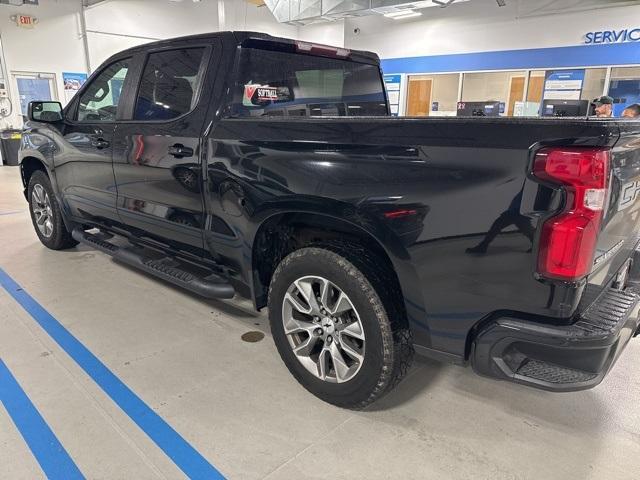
point(179, 151)
point(100, 143)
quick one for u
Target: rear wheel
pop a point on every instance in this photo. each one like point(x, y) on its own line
point(46, 215)
point(333, 329)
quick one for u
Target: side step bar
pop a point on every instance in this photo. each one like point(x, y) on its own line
point(211, 286)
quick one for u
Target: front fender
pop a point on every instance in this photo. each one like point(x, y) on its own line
point(37, 145)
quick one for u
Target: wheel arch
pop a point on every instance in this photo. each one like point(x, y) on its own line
point(30, 164)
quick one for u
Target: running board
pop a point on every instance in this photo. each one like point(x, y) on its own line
point(168, 269)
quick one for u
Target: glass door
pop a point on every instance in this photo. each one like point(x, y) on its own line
point(624, 87)
point(34, 86)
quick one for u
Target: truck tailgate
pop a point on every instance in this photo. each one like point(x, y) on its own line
point(621, 223)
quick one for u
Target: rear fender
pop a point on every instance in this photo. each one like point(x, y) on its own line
point(337, 213)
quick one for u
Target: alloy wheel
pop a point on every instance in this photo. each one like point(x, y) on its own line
point(323, 329)
point(41, 206)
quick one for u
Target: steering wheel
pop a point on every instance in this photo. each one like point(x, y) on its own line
point(107, 113)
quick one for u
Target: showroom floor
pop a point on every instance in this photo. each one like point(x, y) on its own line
point(236, 404)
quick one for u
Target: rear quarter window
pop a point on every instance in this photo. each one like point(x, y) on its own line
point(273, 83)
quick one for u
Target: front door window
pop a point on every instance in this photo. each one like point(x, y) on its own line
point(99, 102)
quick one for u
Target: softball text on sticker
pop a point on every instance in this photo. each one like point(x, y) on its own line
point(254, 94)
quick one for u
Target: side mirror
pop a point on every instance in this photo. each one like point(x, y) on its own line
point(45, 111)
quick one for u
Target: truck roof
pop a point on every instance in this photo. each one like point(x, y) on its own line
point(241, 37)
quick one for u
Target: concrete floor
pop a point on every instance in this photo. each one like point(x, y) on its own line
point(236, 403)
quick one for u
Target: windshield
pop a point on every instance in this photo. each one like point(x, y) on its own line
point(274, 83)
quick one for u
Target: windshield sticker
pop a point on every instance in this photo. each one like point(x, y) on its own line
point(254, 94)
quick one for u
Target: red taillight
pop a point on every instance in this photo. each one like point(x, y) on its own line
point(322, 50)
point(568, 240)
point(400, 213)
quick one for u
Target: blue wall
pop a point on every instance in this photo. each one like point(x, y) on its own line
point(558, 57)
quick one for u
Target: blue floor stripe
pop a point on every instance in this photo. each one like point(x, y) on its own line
point(187, 458)
point(12, 213)
point(49, 452)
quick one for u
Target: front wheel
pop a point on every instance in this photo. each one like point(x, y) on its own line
point(332, 328)
point(46, 215)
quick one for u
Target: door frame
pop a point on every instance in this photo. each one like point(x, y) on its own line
point(208, 82)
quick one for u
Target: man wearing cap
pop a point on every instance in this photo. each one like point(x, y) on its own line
point(604, 106)
point(632, 111)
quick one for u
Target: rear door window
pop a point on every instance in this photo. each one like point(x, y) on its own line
point(274, 83)
point(168, 85)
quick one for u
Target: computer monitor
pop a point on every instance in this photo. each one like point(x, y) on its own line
point(479, 109)
point(565, 108)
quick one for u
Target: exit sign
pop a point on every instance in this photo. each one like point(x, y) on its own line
point(24, 21)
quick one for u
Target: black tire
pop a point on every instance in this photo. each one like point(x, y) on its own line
point(388, 351)
point(59, 238)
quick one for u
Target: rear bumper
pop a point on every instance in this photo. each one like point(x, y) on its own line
point(559, 358)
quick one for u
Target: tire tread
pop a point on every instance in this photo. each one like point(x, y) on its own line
point(61, 238)
point(397, 348)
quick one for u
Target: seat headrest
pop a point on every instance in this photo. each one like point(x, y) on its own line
point(175, 94)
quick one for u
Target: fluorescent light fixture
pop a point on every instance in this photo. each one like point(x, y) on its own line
point(402, 15)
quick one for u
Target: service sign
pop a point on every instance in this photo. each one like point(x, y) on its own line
point(613, 36)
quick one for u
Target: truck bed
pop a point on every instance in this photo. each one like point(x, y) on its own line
point(458, 176)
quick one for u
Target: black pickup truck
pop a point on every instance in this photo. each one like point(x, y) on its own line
point(239, 163)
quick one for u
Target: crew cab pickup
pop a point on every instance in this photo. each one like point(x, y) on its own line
point(237, 163)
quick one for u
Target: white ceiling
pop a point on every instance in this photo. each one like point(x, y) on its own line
point(527, 8)
point(302, 12)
